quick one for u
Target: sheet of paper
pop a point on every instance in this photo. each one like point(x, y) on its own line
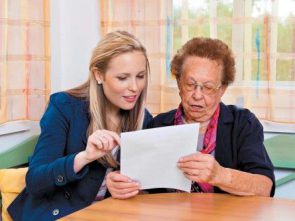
point(150, 156)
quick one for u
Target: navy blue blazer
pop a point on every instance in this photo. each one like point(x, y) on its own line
point(53, 189)
point(239, 142)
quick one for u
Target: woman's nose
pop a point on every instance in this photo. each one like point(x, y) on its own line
point(198, 93)
point(133, 85)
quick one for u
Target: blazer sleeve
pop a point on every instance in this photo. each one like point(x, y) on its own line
point(252, 155)
point(49, 167)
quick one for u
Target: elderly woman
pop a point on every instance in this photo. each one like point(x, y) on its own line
point(232, 156)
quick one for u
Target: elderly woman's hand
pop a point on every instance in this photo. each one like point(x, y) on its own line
point(202, 168)
point(120, 186)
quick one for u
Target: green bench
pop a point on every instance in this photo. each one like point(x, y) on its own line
point(19, 154)
point(281, 150)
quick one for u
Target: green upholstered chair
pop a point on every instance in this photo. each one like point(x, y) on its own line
point(18, 155)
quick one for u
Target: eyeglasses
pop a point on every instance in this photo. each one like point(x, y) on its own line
point(207, 88)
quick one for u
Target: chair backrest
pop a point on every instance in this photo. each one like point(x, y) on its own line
point(12, 182)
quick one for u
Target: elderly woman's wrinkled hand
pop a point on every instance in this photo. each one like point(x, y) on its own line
point(120, 186)
point(202, 168)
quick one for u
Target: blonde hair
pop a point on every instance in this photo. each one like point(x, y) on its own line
point(113, 44)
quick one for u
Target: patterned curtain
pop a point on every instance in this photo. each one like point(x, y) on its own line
point(260, 32)
point(150, 21)
point(24, 59)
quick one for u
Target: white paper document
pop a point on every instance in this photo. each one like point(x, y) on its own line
point(150, 156)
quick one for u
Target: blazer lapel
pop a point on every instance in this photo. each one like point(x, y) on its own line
point(223, 150)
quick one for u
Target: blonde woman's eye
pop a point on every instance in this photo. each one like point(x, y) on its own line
point(121, 78)
point(141, 76)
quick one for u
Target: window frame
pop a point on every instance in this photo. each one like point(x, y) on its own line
point(245, 54)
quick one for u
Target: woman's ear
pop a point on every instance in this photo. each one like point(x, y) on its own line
point(179, 87)
point(98, 75)
point(223, 89)
point(178, 83)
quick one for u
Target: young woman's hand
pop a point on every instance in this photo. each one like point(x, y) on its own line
point(99, 143)
point(120, 186)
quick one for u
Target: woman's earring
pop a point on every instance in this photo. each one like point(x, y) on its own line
point(99, 82)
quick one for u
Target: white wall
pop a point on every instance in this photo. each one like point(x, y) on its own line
point(74, 33)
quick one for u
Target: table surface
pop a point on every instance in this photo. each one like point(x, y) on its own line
point(188, 206)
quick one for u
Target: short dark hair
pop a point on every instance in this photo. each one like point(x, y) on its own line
point(212, 49)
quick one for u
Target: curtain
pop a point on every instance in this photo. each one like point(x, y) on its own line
point(150, 22)
point(24, 59)
point(261, 34)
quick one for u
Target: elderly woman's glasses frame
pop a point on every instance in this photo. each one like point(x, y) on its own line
point(207, 88)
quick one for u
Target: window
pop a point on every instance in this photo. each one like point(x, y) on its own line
point(261, 34)
point(242, 24)
point(24, 59)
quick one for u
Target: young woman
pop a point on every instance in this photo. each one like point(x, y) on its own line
point(80, 132)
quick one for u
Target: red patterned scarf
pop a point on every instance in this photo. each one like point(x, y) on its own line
point(209, 139)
